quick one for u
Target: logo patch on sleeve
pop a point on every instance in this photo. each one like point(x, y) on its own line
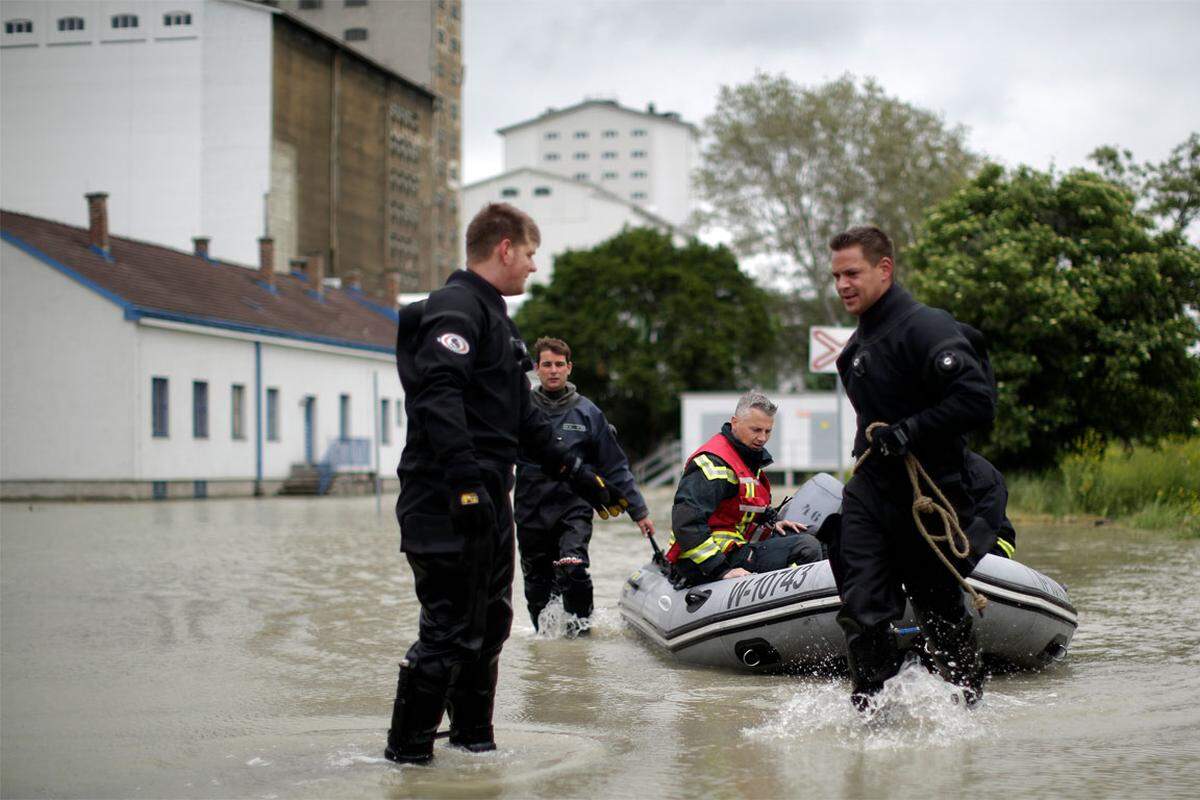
point(574, 426)
point(947, 361)
point(454, 343)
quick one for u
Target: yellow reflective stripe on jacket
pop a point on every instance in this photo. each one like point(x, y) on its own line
point(749, 485)
point(1008, 548)
point(726, 538)
point(712, 471)
point(701, 552)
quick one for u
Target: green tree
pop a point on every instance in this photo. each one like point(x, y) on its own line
point(1085, 306)
point(1170, 189)
point(786, 167)
point(647, 320)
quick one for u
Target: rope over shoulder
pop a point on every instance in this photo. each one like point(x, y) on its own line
point(955, 538)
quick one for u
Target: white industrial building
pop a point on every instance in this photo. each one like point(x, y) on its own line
point(135, 370)
point(629, 168)
point(167, 105)
point(571, 215)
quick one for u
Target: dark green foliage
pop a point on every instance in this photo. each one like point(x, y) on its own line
point(647, 320)
point(1084, 305)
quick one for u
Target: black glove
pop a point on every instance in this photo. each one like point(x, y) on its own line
point(472, 513)
point(894, 440)
point(599, 494)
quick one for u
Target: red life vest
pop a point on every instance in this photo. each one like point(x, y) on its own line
point(734, 521)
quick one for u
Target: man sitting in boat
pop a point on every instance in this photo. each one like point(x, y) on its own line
point(722, 521)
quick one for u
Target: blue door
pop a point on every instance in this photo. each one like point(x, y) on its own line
point(310, 405)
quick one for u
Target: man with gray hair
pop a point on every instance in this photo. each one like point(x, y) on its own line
point(722, 524)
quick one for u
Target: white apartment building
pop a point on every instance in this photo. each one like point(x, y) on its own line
point(644, 157)
point(571, 214)
point(164, 103)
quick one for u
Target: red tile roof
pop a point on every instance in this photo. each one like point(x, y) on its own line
point(156, 281)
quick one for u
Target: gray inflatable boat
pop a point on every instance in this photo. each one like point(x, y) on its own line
point(786, 619)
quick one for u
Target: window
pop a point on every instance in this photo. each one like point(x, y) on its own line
point(453, 45)
point(609, 154)
point(158, 408)
point(355, 3)
point(237, 411)
point(272, 415)
point(344, 417)
point(639, 132)
point(639, 195)
point(454, 10)
point(581, 156)
point(306, 5)
point(581, 134)
point(552, 156)
point(639, 173)
point(609, 176)
point(610, 134)
point(550, 135)
point(177, 18)
point(581, 176)
point(441, 36)
point(385, 414)
point(509, 191)
point(124, 20)
point(356, 34)
point(71, 24)
point(200, 409)
point(399, 413)
point(19, 26)
point(541, 191)
point(638, 154)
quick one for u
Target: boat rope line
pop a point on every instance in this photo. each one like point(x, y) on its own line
point(954, 536)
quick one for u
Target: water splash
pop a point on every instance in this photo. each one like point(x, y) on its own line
point(916, 709)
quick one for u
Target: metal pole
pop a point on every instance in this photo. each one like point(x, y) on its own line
point(841, 442)
point(378, 432)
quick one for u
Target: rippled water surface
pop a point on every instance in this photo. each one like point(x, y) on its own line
point(246, 648)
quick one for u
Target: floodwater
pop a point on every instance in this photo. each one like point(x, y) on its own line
point(242, 648)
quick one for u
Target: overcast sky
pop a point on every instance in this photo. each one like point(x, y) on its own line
point(1038, 83)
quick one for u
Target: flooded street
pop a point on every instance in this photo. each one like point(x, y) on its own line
point(242, 648)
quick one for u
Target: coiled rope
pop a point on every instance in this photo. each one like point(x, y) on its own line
point(954, 536)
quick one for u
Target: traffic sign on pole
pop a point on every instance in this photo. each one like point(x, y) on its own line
point(825, 344)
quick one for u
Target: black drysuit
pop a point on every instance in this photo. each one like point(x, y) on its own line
point(553, 522)
point(910, 363)
point(463, 366)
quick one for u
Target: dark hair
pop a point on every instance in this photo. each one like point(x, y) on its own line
point(556, 346)
point(494, 223)
point(875, 243)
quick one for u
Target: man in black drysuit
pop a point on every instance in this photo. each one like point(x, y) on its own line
point(912, 368)
point(554, 526)
point(462, 364)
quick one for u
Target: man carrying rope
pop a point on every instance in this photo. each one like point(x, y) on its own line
point(909, 525)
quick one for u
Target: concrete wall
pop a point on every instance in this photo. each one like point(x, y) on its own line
point(172, 121)
point(67, 374)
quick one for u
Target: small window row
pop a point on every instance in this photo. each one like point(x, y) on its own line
point(160, 412)
point(607, 155)
point(117, 21)
point(512, 191)
point(607, 134)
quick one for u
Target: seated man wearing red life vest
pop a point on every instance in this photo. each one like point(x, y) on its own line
point(722, 523)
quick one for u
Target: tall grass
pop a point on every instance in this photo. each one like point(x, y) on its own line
point(1147, 487)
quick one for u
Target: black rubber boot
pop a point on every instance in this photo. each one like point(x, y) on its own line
point(471, 700)
point(416, 714)
point(954, 649)
point(872, 657)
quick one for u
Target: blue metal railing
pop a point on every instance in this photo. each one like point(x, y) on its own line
point(342, 453)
